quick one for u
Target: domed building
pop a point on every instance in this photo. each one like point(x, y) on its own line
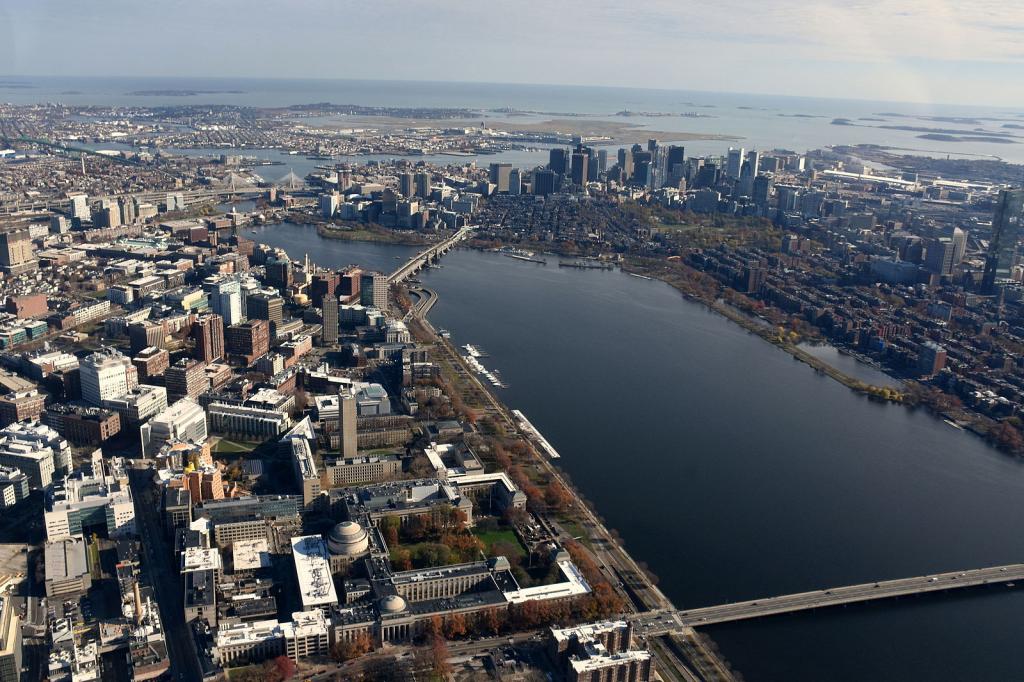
point(346, 541)
point(392, 604)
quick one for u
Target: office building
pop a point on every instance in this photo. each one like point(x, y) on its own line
point(36, 450)
point(558, 160)
point(208, 335)
point(10, 641)
point(279, 273)
point(138, 405)
point(734, 163)
point(248, 340)
point(423, 185)
point(360, 470)
point(580, 167)
point(499, 176)
point(373, 290)
point(226, 300)
point(82, 425)
point(16, 252)
point(544, 182)
point(146, 334)
point(515, 182)
point(14, 486)
point(329, 334)
point(21, 406)
point(265, 305)
point(959, 245)
point(406, 184)
point(247, 422)
point(99, 497)
point(931, 358)
point(151, 362)
point(185, 379)
point(328, 205)
point(106, 375)
point(1002, 249)
point(183, 421)
point(347, 424)
point(939, 256)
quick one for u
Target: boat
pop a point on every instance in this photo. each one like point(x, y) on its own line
point(953, 424)
point(633, 274)
point(528, 259)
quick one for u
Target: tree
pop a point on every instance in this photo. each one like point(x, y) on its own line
point(278, 669)
point(557, 497)
point(439, 657)
point(455, 626)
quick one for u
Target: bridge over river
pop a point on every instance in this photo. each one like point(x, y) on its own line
point(666, 621)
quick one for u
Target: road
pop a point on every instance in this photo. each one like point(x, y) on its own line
point(167, 584)
point(670, 621)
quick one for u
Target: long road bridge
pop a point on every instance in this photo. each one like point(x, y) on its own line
point(421, 260)
point(667, 621)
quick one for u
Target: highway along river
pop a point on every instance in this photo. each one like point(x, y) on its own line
point(736, 472)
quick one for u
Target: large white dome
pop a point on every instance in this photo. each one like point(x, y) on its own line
point(392, 604)
point(348, 539)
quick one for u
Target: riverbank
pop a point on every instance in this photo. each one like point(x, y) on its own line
point(912, 394)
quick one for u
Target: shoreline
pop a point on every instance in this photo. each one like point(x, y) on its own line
point(906, 396)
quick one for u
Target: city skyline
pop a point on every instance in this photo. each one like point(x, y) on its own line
point(910, 51)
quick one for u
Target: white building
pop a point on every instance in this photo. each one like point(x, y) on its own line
point(84, 499)
point(139, 404)
point(313, 568)
point(250, 423)
point(183, 421)
point(106, 375)
point(226, 300)
point(37, 450)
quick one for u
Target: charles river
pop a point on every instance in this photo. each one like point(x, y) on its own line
point(736, 472)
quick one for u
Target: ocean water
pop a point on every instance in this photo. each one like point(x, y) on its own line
point(756, 121)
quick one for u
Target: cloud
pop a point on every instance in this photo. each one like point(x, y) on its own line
point(857, 48)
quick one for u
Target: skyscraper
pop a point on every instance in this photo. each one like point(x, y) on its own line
point(226, 300)
point(373, 290)
point(558, 160)
point(734, 162)
point(423, 185)
point(959, 245)
point(330, 320)
point(347, 419)
point(406, 185)
point(1002, 249)
point(208, 333)
point(939, 256)
point(580, 165)
point(543, 182)
point(500, 175)
point(515, 182)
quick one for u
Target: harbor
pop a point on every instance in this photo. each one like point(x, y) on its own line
point(472, 358)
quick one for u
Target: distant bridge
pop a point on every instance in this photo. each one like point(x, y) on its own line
point(421, 260)
point(663, 622)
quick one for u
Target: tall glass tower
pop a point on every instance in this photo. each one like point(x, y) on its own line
point(1002, 249)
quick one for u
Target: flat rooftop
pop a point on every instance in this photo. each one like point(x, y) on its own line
point(313, 568)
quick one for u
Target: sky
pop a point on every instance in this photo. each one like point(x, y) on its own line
point(964, 52)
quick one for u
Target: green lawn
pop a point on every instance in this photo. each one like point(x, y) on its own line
point(230, 446)
point(505, 536)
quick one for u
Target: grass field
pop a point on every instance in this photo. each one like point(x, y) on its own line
point(505, 536)
point(225, 446)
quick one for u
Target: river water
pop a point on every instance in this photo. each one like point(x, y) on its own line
point(737, 472)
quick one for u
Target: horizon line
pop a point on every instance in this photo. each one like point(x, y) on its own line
point(1018, 108)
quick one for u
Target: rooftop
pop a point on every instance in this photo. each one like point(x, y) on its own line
point(313, 568)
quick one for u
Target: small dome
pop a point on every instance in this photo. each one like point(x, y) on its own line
point(392, 604)
point(348, 539)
